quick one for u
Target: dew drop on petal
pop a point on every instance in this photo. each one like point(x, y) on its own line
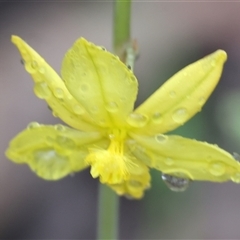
point(201, 100)
point(175, 184)
point(169, 161)
point(42, 90)
point(84, 87)
point(33, 125)
point(137, 120)
point(58, 93)
point(34, 65)
point(59, 127)
point(30, 66)
point(133, 78)
point(94, 109)
point(180, 115)
point(236, 177)
point(217, 168)
point(54, 114)
point(65, 142)
point(172, 94)
point(78, 109)
point(123, 99)
point(157, 118)
point(72, 78)
point(111, 107)
point(160, 138)
point(41, 70)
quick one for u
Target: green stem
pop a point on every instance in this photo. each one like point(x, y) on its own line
point(108, 202)
point(121, 28)
point(108, 211)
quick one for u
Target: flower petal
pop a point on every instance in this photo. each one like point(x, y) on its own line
point(182, 96)
point(100, 82)
point(185, 158)
point(49, 86)
point(52, 151)
point(134, 187)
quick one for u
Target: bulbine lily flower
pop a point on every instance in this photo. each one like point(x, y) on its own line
point(95, 96)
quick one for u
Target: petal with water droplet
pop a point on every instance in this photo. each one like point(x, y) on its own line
point(196, 160)
point(99, 81)
point(183, 95)
point(52, 151)
point(49, 86)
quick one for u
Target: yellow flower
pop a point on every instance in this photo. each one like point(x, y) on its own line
point(96, 96)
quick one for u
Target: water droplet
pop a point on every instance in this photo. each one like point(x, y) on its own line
point(30, 66)
point(84, 87)
point(114, 59)
point(169, 161)
point(41, 90)
point(111, 107)
point(103, 48)
point(78, 109)
point(157, 118)
point(41, 70)
point(133, 79)
point(172, 94)
point(123, 99)
point(236, 177)
point(217, 168)
point(137, 120)
point(161, 138)
point(65, 142)
point(94, 109)
point(59, 127)
point(180, 115)
point(201, 100)
point(71, 78)
point(58, 93)
point(33, 125)
point(111, 136)
point(54, 114)
point(34, 64)
point(175, 184)
point(236, 156)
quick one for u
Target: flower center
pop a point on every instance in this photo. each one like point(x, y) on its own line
point(111, 165)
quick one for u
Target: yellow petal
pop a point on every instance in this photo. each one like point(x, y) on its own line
point(186, 158)
point(182, 96)
point(49, 86)
point(51, 151)
point(100, 82)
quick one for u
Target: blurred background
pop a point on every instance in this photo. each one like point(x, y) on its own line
point(170, 36)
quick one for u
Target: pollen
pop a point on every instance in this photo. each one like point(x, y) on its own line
point(111, 165)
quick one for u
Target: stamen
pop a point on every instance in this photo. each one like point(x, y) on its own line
point(111, 165)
